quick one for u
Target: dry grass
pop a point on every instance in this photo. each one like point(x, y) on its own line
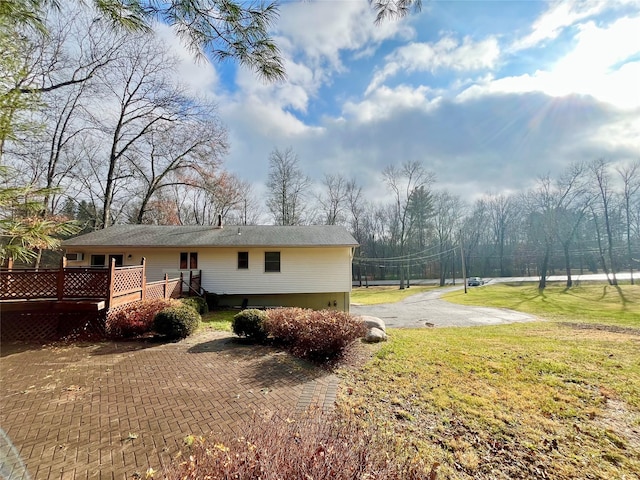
point(317, 446)
point(517, 401)
point(554, 399)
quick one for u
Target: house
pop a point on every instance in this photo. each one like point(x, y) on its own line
point(303, 266)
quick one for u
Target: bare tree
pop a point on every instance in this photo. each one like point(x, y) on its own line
point(333, 201)
point(473, 232)
point(357, 206)
point(554, 211)
point(571, 210)
point(599, 172)
point(140, 99)
point(247, 210)
point(287, 187)
point(630, 176)
point(500, 210)
point(403, 182)
point(228, 196)
point(186, 151)
point(447, 216)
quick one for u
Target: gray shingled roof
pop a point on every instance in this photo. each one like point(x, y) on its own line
point(208, 236)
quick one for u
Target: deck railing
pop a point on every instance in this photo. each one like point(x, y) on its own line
point(54, 284)
point(116, 285)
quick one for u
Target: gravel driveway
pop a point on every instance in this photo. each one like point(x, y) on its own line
point(427, 309)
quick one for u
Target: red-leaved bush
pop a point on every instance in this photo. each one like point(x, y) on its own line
point(136, 318)
point(318, 447)
point(314, 334)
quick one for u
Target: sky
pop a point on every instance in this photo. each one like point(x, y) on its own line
point(488, 95)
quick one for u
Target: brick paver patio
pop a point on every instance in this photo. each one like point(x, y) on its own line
point(112, 410)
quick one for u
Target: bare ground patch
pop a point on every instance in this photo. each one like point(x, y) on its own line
point(603, 328)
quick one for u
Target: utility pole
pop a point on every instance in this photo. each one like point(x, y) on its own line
point(464, 268)
point(453, 266)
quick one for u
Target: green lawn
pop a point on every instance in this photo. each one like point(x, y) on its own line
point(590, 302)
point(558, 398)
point(219, 320)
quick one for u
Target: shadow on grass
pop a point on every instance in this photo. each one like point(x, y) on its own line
point(622, 297)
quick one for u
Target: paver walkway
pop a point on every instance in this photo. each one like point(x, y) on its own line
point(112, 410)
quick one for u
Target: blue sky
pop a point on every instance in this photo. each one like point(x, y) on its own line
point(488, 95)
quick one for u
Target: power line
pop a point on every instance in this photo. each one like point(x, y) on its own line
point(406, 258)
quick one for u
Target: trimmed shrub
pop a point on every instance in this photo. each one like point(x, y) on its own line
point(250, 323)
point(317, 447)
point(176, 322)
point(199, 304)
point(136, 318)
point(318, 335)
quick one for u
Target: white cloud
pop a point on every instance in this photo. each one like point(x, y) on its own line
point(448, 53)
point(313, 37)
point(293, 93)
point(197, 76)
point(385, 102)
point(496, 135)
point(322, 31)
point(264, 118)
point(594, 67)
point(621, 134)
point(560, 15)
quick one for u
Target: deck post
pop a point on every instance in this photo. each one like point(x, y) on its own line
point(144, 278)
point(110, 282)
point(60, 285)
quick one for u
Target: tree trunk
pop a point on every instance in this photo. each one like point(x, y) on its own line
point(600, 250)
point(567, 264)
point(543, 269)
point(614, 280)
point(629, 254)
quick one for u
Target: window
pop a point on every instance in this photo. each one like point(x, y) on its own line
point(97, 260)
point(188, 261)
point(243, 260)
point(119, 260)
point(271, 261)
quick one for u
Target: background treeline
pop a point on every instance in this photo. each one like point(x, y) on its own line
point(96, 128)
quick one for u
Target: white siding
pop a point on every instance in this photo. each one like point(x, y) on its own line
point(302, 270)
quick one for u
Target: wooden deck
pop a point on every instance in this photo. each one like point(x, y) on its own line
point(83, 288)
point(57, 303)
point(46, 305)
